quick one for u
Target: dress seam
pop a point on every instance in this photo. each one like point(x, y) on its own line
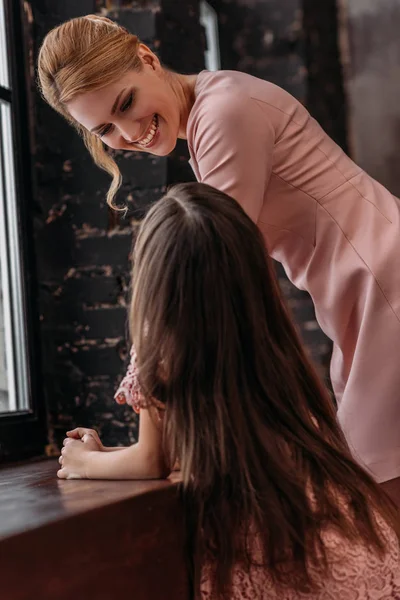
point(363, 261)
point(350, 181)
point(345, 236)
point(291, 116)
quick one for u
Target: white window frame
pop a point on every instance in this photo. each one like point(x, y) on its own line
point(11, 280)
point(209, 20)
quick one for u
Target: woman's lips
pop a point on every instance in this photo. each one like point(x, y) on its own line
point(149, 137)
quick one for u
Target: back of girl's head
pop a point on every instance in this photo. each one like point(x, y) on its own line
point(82, 55)
point(200, 272)
point(213, 338)
point(252, 426)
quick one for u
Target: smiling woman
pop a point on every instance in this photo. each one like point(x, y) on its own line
point(139, 111)
point(134, 104)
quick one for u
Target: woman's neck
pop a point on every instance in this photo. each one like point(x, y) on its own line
point(183, 87)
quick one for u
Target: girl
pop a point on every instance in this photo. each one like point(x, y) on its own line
point(282, 511)
point(335, 229)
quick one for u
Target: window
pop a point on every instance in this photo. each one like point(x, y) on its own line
point(209, 20)
point(13, 367)
point(20, 423)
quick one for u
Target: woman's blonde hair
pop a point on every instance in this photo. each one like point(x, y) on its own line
point(80, 56)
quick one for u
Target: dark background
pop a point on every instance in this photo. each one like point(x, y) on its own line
point(340, 60)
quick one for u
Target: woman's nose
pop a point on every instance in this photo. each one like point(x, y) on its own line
point(130, 131)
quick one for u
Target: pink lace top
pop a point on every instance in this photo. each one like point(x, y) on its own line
point(128, 391)
point(356, 572)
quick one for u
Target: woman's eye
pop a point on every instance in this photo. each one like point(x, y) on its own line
point(105, 131)
point(127, 104)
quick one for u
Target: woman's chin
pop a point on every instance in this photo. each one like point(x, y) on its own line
point(163, 148)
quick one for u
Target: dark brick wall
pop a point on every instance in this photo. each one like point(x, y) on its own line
point(371, 50)
point(83, 249)
point(263, 38)
point(325, 96)
point(181, 49)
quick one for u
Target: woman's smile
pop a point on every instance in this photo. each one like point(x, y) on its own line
point(149, 138)
point(139, 112)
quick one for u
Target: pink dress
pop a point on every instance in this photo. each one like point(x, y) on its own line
point(129, 389)
point(335, 230)
point(356, 572)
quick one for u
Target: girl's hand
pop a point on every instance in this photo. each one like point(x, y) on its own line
point(74, 455)
point(80, 432)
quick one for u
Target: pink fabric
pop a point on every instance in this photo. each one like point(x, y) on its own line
point(356, 573)
point(129, 389)
point(334, 228)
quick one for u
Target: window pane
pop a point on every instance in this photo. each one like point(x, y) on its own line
point(13, 364)
point(4, 71)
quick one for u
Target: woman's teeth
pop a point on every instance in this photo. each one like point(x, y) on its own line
point(151, 132)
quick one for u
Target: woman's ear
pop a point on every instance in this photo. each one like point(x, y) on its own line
point(148, 57)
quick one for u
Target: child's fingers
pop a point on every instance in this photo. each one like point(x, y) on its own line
point(68, 440)
point(74, 433)
point(91, 441)
point(62, 473)
point(79, 432)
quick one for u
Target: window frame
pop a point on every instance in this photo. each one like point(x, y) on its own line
point(209, 21)
point(23, 433)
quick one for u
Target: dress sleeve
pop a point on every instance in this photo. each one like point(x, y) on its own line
point(129, 389)
point(233, 148)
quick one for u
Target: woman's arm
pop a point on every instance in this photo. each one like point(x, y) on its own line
point(233, 148)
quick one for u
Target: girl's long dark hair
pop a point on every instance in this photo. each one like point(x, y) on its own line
point(254, 429)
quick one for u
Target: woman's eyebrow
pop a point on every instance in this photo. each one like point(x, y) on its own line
point(114, 108)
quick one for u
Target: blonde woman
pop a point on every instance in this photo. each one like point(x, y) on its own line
point(334, 228)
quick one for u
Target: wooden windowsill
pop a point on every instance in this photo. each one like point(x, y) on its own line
point(83, 539)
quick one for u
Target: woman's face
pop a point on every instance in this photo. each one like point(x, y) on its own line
point(141, 111)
